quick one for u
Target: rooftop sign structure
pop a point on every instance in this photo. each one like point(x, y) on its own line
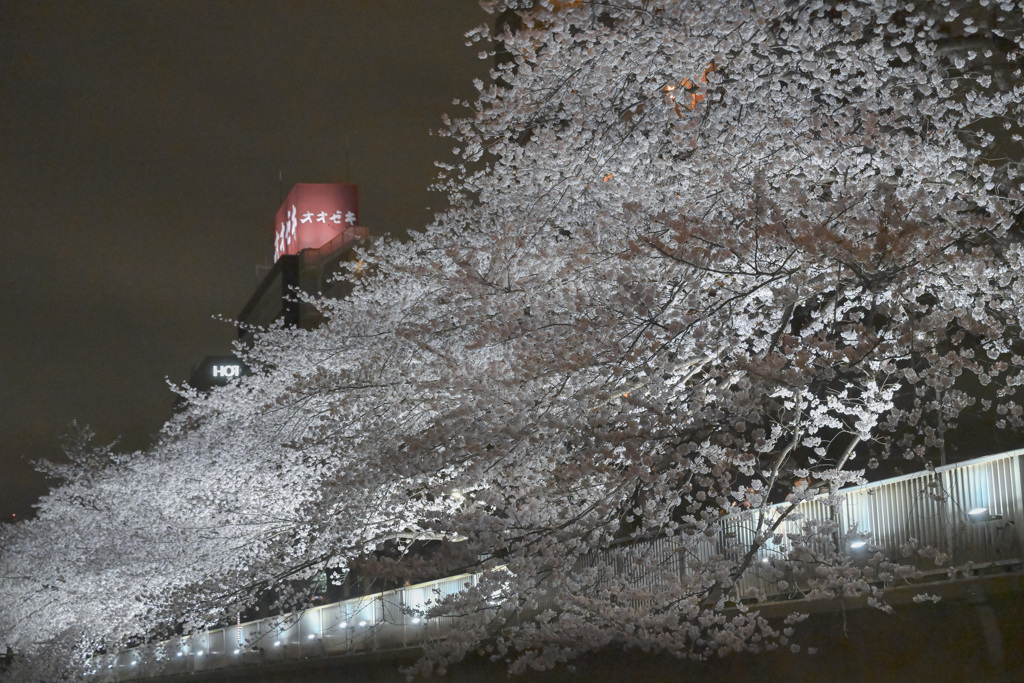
point(313, 214)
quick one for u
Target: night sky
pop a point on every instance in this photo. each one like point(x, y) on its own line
point(141, 143)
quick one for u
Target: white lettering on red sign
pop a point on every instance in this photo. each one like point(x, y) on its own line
point(286, 232)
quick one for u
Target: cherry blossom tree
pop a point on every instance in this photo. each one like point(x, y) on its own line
point(700, 258)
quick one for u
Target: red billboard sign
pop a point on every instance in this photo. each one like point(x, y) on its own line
point(313, 214)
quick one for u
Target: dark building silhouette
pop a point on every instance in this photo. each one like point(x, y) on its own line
point(316, 231)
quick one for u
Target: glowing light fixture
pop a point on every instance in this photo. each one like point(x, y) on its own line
point(981, 514)
point(857, 545)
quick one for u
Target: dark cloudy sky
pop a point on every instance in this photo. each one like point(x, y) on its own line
point(140, 146)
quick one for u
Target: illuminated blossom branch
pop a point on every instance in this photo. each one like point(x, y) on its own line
point(646, 308)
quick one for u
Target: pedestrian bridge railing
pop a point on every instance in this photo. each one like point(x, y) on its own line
point(972, 512)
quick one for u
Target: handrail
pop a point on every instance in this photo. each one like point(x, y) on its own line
point(939, 508)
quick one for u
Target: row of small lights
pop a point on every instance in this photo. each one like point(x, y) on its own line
point(311, 636)
point(978, 514)
point(278, 643)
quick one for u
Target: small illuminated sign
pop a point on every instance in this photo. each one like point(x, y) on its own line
point(217, 371)
point(227, 371)
point(313, 214)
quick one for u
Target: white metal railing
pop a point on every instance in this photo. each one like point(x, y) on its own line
point(933, 509)
point(381, 621)
point(972, 511)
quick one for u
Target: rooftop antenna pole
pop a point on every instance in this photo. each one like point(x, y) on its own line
point(348, 164)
